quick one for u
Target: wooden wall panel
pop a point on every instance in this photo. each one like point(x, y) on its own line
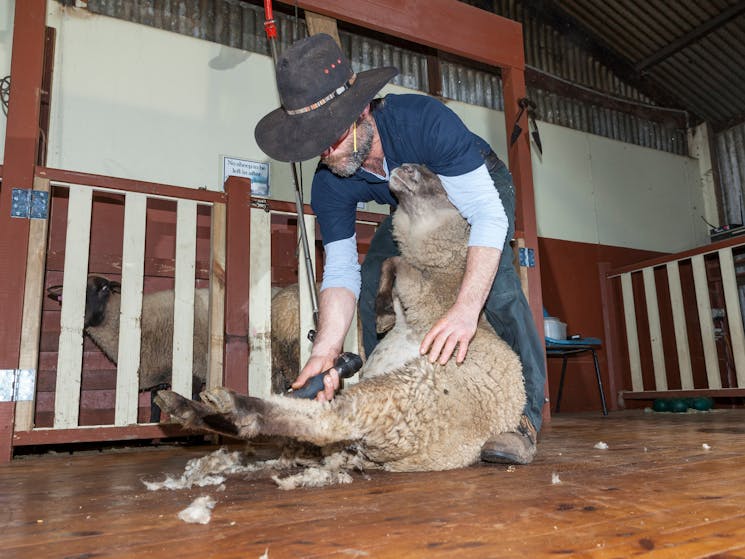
point(571, 292)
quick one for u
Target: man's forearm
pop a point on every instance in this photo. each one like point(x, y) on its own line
point(336, 308)
point(481, 268)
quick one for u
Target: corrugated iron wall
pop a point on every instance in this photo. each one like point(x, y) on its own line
point(241, 25)
point(550, 52)
point(731, 159)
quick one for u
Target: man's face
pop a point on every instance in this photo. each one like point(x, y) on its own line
point(341, 158)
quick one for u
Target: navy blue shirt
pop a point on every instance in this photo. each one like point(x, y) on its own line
point(413, 129)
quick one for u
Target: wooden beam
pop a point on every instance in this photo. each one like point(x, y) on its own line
point(260, 303)
point(699, 392)
point(153, 189)
point(237, 270)
point(521, 167)
point(663, 260)
point(318, 23)
point(21, 142)
point(441, 24)
point(99, 433)
point(217, 297)
point(609, 303)
point(7, 413)
point(33, 297)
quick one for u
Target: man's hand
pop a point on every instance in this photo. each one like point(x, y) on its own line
point(336, 309)
point(315, 366)
point(456, 328)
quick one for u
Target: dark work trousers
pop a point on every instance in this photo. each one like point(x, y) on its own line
point(506, 308)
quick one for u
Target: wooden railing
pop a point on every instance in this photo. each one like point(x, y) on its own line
point(238, 271)
point(683, 318)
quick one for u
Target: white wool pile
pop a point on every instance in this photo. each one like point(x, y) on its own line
point(334, 469)
point(211, 470)
point(555, 478)
point(601, 446)
point(206, 470)
point(313, 477)
point(199, 511)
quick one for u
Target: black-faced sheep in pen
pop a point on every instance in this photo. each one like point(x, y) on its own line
point(406, 414)
point(101, 324)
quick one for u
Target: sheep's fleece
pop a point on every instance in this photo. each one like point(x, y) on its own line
point(405, 414)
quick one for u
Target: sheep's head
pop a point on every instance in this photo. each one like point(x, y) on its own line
point(96, 298)
point(97, 293)
point(418, 190)
point(429, 230)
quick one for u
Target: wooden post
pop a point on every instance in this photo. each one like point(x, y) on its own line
point(318, 23)
point(21, 141)
point(521, 167)
point(217, 297)
point(237, 268)
point(610, 334)
point(33, 297)
point(260, 303)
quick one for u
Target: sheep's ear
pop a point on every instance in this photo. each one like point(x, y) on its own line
point(115, 287)
point(385, 316)
point(54, 292)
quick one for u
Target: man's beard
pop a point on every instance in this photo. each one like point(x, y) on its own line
point(346, 163)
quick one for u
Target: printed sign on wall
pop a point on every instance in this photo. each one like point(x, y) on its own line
point(257, 171)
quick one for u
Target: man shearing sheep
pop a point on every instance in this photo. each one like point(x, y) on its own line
point(328, 110)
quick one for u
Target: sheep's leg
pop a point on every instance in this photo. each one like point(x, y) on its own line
point(200, 415)
point(307, 420)
point(385, 316)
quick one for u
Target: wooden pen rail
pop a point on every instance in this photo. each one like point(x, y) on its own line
point(684, 322)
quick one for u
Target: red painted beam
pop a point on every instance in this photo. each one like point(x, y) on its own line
point(446, 25)
point(21, 139)
point(129, 185)
point(237, 269)
point(99, 434)
point(7, 417)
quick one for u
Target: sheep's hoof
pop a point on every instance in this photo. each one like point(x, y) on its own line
point(176, 406)
point(220, 398)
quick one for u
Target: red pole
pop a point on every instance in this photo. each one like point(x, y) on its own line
point(21, 142)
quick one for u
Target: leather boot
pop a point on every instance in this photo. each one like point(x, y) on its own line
point(515, 447)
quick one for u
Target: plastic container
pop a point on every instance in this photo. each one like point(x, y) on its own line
point(554, 328)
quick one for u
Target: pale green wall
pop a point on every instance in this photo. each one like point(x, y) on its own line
point(136, 102)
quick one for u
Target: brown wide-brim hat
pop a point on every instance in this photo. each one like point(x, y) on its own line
point(321, 97)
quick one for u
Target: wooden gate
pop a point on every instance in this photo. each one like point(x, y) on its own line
point(72, 248)
point(684, 323)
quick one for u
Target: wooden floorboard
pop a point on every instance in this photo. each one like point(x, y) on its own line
point(655, 492)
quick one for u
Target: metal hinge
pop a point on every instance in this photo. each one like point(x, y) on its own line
point(27, 203)
point(526, 257)
point(260, 204)
point(17, 385)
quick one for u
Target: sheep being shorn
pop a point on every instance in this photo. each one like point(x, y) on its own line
point(405, 414)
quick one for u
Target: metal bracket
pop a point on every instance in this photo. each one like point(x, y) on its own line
point(526, 257)
point(17, 385)
point(260, 204)
point(27, 203)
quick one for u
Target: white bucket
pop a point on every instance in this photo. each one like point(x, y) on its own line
point(554, 328)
